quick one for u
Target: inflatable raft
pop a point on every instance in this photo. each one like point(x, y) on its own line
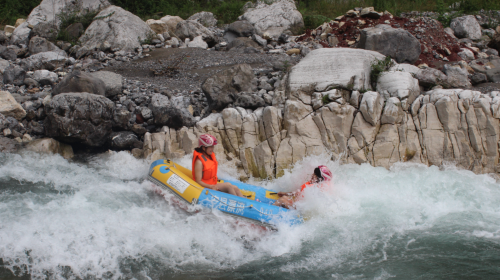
point(256, 206)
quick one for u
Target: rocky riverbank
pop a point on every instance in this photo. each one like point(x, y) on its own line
point(272, 92)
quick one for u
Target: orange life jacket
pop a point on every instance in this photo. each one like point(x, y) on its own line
point(304, 186)
point(210, 166)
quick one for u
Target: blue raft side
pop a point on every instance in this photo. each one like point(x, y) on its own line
point(155, 163)
point(260, 193)
point(250, 209)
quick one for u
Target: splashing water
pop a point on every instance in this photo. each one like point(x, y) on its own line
point(101, 218)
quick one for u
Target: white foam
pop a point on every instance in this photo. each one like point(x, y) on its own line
point(99, 216)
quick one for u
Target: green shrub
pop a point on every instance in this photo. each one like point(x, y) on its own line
point(311, 22)
point(85, 17)
point(379, 66)
point(10, 10)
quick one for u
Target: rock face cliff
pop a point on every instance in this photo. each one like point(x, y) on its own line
point(333, 111)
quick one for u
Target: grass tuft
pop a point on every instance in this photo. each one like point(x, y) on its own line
point(379, 66)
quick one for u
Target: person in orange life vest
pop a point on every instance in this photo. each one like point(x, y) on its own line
point(287, 199)
point(205, 167)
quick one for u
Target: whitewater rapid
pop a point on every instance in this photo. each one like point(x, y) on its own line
point(99, 217)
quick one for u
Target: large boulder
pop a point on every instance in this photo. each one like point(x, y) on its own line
point(275, 19)
point(495, 42)
point(8, 53)
point(466, 27)
point(457, 76)
point(324, 69)
point(79, 117)
point(122, 29)
point(240, 28)
point(192, 29)
point(158, 26)
point(45, 60)
point(395, 42)
point(78, 81)
point(9, 106)
point(14, 75)
point(4, 64)
point(170, 113)
point(113, 82)
point(21, 35)
point(222, 88)
point(40, 44)
point(171, 22)
point(207, 19)
point(44, 18)
point(198, 43)
point(241, 44)
point(51, 146)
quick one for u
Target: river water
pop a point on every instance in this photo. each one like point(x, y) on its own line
point(98, 217)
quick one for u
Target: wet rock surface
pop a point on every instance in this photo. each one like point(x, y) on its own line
point(271, 97)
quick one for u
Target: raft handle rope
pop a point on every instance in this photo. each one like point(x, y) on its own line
point(250, 206)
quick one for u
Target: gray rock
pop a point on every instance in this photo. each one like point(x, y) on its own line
point(124, 140)
point(275, 19)
point(3, 65)
point(221, 88)
point(78, 81)
point(8, 145)
point(122, 29)
point(8, 53)
point(396, 42)
point(74, 31)
point(192, 29)
point(14, 75)
point(146, 113)
point(207, 19)
point(240, 44)
point(40, 44)
point(3, 37)
point(495, 42)
point(491, 52)
point(121, 117)
point(457, 77)
point(45, 60)
point(30, 83)
point(198, 43)
point(241, 28)
point(493, 74)
point(370, 13)
point(21, 35)
point(170, 114)
point(112, 81)
point(249, 101)
point(466, 27)
point(79, 118)
point(261, 41)
point(478, 78)
point(45, 77)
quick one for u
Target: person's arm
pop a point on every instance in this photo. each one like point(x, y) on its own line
point(198, 174)
point(285, 193)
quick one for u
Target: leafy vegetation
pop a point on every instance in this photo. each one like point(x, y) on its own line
point(315, 12)
point(311, 22)
point(379, 66)
point(10, 10)
point(226, 11)
point(85, 17)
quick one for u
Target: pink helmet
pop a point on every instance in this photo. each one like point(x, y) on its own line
point(325, 173)
point(207, 140)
